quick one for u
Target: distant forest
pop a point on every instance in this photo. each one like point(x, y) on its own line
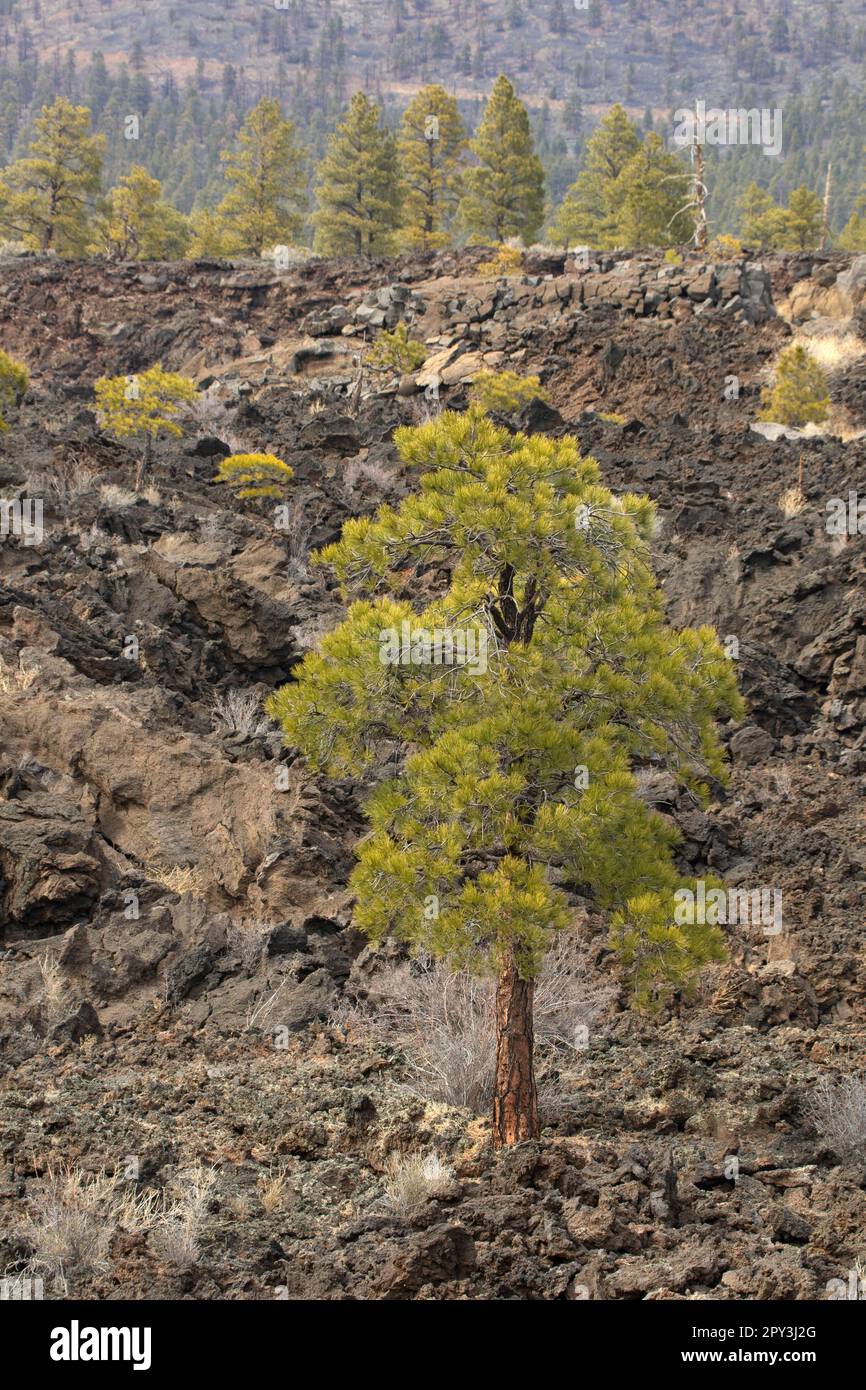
point(185, 124)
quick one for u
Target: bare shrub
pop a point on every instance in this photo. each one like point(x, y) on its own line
point(249, 940)
point(443, 1022)
point(62, 481)
point(296, 533)
point(73, 1218)
point(260, 1011)
point(53, 987)
point(206, 413)
point(240, 712)
point(13, 678)
point(360, 471)
point(410, 1179)
point(177, 1235)
point(837, 1112)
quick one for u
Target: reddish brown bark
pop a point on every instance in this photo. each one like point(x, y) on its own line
point(515, 1101)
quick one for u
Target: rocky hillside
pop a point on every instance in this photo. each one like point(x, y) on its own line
point(183, 998)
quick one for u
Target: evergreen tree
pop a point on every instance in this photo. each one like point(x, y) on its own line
point(47, 198)
point(263, 207)
point(504, 194)
point(209, 235)
point(588, 213)
point(255, 475)
point(138, 225)
point(803, 219)
point(762, 221)
point(508, 781)
point(140, 407)
point(357, 185)
point(14, 380)
point(430, 144)
point(647, 200)
point(799, 396)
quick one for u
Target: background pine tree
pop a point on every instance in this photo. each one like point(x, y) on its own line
point(47, 198)
point(357, 185)
point(430, 145)
point(504, 192)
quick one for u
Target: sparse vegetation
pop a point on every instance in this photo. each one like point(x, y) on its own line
point(505, 392)
point(140, 407)
point(256, 476)
point(507, 261)
point(412, 1179)
point(14, 381)
point(799, 396)
point(396, 352)
point(72, 1218)
point(837, 1112)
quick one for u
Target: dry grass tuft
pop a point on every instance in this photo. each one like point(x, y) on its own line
point(792, 502)
point(13, 679)
point(73, 1218)
point(411, 1179)
point(181, 879)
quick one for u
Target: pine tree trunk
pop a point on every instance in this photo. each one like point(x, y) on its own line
point(515, 1102)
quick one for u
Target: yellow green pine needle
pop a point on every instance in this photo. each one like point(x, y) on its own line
point(14, 381)
point(505, 392)
point(512, 782)
point(397, 352)
point(254, 475)
point(142, 405)
point(800, 394)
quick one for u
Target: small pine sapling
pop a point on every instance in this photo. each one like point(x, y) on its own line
point(799, 396)
point(139, 407)
point(255, 475)
point(14, 381)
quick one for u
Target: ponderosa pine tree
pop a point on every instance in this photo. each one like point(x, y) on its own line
point(648, 199)
point(47, 198)
point(430, 144)
point(357, 185)
point(504, 193)
point(14, 380)
point(762, 221)
point(139, 407)
point(588, 212)
point(506, 714)
point(799, 395)
point(266, 171)
point(137, 224)
point(803, 219)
